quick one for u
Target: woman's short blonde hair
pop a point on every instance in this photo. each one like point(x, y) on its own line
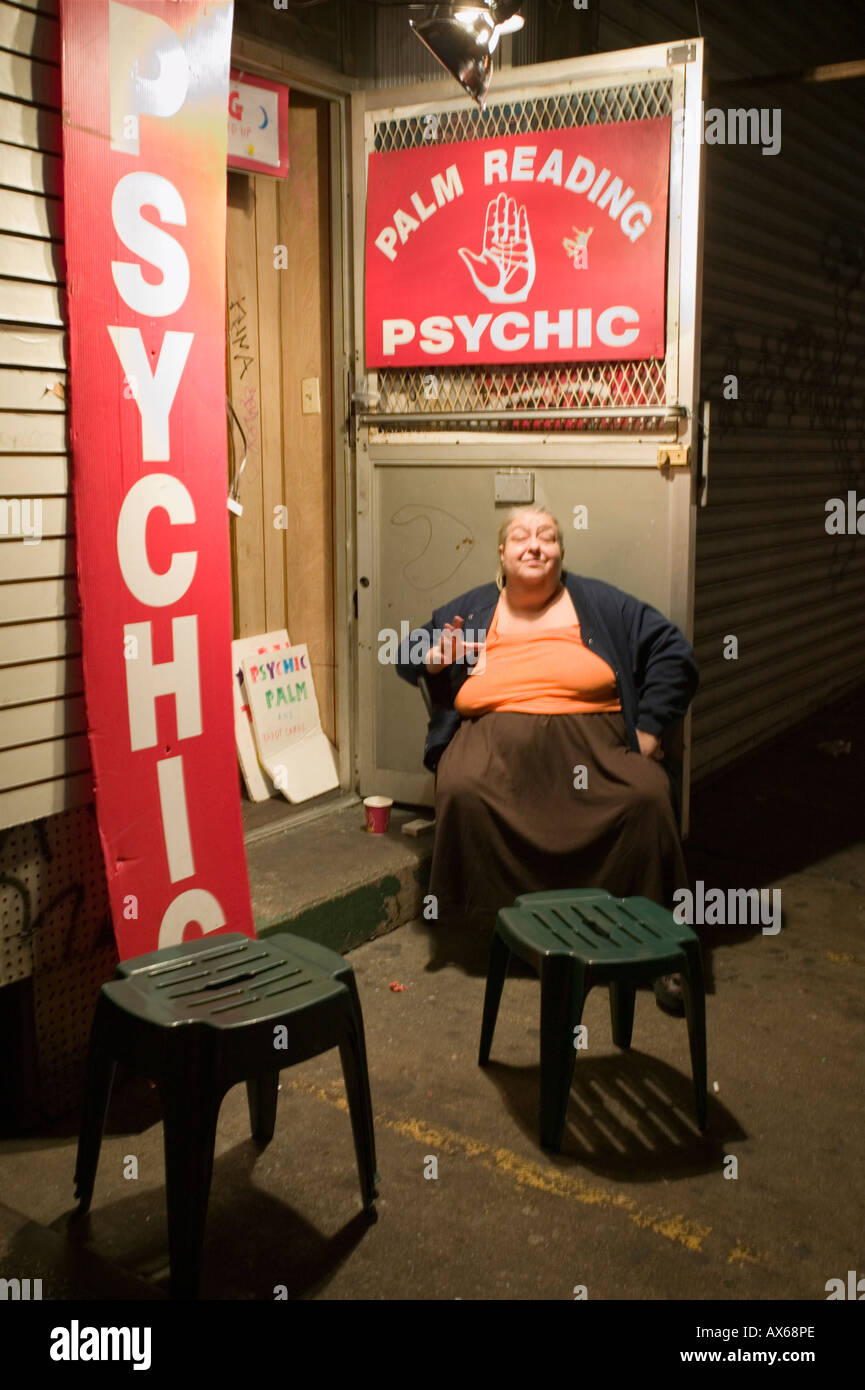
point(506, 526)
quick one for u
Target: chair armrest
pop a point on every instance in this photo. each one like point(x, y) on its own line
point(425, 692)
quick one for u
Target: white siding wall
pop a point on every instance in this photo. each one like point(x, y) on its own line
point(44, 757)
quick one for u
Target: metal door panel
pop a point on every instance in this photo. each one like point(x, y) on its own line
point(427, 521)
point(434, 530)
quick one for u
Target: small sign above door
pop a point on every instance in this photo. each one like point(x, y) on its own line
point(257, 125)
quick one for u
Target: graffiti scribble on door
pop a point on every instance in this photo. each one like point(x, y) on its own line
point(443, 543)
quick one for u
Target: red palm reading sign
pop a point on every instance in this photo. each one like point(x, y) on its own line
point(481, 252)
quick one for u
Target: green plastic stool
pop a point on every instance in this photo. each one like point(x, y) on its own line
point(580, 938)
point(198, 1018)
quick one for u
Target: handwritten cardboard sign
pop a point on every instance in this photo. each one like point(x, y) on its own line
point(256, 648)
point(292, 746)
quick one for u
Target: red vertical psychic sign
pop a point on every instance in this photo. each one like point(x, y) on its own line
point(145, 89)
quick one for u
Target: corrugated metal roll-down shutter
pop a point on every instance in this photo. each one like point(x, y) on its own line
point(784, 339)
point(783, 359)
point(44, 757)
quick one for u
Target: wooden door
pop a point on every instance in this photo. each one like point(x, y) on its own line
point(278, 343)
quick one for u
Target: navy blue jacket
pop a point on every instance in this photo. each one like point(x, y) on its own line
point(653, 662)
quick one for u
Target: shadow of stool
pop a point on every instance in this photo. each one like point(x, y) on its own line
point(583, 937)
point(198, 1018)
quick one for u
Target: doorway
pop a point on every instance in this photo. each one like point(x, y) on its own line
point(279, 345)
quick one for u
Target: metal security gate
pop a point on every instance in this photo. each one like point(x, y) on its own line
point(437, 453)
point(783, 320)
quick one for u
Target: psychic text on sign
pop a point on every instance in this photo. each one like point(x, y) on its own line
point(145, 87)
point(527, 248)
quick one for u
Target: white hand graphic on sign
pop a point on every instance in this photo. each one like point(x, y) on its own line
point(505, 270)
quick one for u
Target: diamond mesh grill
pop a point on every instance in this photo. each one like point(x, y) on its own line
point(510, 397)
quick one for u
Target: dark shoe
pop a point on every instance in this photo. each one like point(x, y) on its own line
point(668, 993)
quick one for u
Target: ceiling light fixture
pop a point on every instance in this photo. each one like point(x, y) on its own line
point(465, 37)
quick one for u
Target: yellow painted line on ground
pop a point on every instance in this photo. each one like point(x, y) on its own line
point(741, 1255)
point(689, 1234)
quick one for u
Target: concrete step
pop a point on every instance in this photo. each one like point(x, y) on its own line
point(330, 880)
point(39, 1262)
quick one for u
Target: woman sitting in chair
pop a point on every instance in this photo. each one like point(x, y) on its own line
point(551, 693)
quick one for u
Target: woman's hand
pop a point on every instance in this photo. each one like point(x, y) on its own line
point(452, 648)
point(650, 745)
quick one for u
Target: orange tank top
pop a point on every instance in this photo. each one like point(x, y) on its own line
point(550, 672)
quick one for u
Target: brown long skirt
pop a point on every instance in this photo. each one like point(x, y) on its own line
point(510, 820)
